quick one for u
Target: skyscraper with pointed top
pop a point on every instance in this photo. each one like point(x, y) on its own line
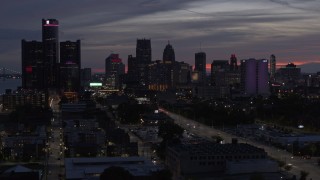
point(233, 63)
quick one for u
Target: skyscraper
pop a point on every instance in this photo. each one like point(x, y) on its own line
point(233, 63)
point(219, 69)
point(272, 67)
point(143, 51)
point(31, 55)
point(168, 54)
point(200, 62)
point(113, 69)
point(254, 77)
point(200, 66)
point(70, 65)
point(143, 57)
point(50, 40)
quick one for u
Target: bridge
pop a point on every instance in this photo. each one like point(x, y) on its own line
point(6, 73)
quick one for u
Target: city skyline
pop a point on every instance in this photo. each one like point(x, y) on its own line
point(288, 29)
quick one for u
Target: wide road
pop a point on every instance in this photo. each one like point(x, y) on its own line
point(202, 130)
point(55, 160)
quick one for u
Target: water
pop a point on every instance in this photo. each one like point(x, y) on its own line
point(9, 84)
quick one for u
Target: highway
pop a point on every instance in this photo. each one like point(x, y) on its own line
point(202, 130)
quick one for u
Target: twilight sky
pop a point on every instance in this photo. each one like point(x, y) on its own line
point(290, 29)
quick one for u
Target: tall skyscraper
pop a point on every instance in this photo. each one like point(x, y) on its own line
point(272, 67)
point(70, 65)
point(233, 63)
point(143, 57)
point(31, 55)
point(254, 77)
point(143, 51)
point(50, 40)
point(114, 68)
point(200, 66)
point(200, 62)
point(168, 54)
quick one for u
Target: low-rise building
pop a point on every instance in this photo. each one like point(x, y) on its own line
point(91, 168)
point(207, 158)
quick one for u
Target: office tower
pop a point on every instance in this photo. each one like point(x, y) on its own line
point(183, 71)
point(143, 51)
point(159, 77)
point(143, 57)
point(200, 62)
point(200, 66)
point(168, 54)
point(254, 77)
point(113, 69)
point(233, 63)
point(219, 70)
point(85, 76)
point(50, 40)
point(132, 70)
point(272, 67)
point(289, 73)
point(31, 55)
point(70, 65)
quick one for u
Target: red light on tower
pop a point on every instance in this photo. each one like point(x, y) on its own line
point(29, 69)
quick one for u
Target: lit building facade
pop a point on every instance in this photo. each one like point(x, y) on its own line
point(254, 77)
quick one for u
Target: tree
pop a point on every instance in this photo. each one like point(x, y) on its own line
point(303, 175)
point(170, 134)
point(257, 176)
point(164, 174)
point(115, 172)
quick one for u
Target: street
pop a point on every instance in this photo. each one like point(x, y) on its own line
point(201, 130)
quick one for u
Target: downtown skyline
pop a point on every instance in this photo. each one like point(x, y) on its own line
point(288, 29)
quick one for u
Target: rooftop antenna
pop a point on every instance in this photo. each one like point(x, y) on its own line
point(200, 47)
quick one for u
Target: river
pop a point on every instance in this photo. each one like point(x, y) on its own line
point(9, 84)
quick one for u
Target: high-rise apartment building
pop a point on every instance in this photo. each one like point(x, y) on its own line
point(70, 65)
point(114, 68)
point(254, 77)
point(31, 55)
point(272, 67)
point(50, 40)
point(168, 54)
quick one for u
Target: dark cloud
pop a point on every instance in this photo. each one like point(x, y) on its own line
point(249, 28)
